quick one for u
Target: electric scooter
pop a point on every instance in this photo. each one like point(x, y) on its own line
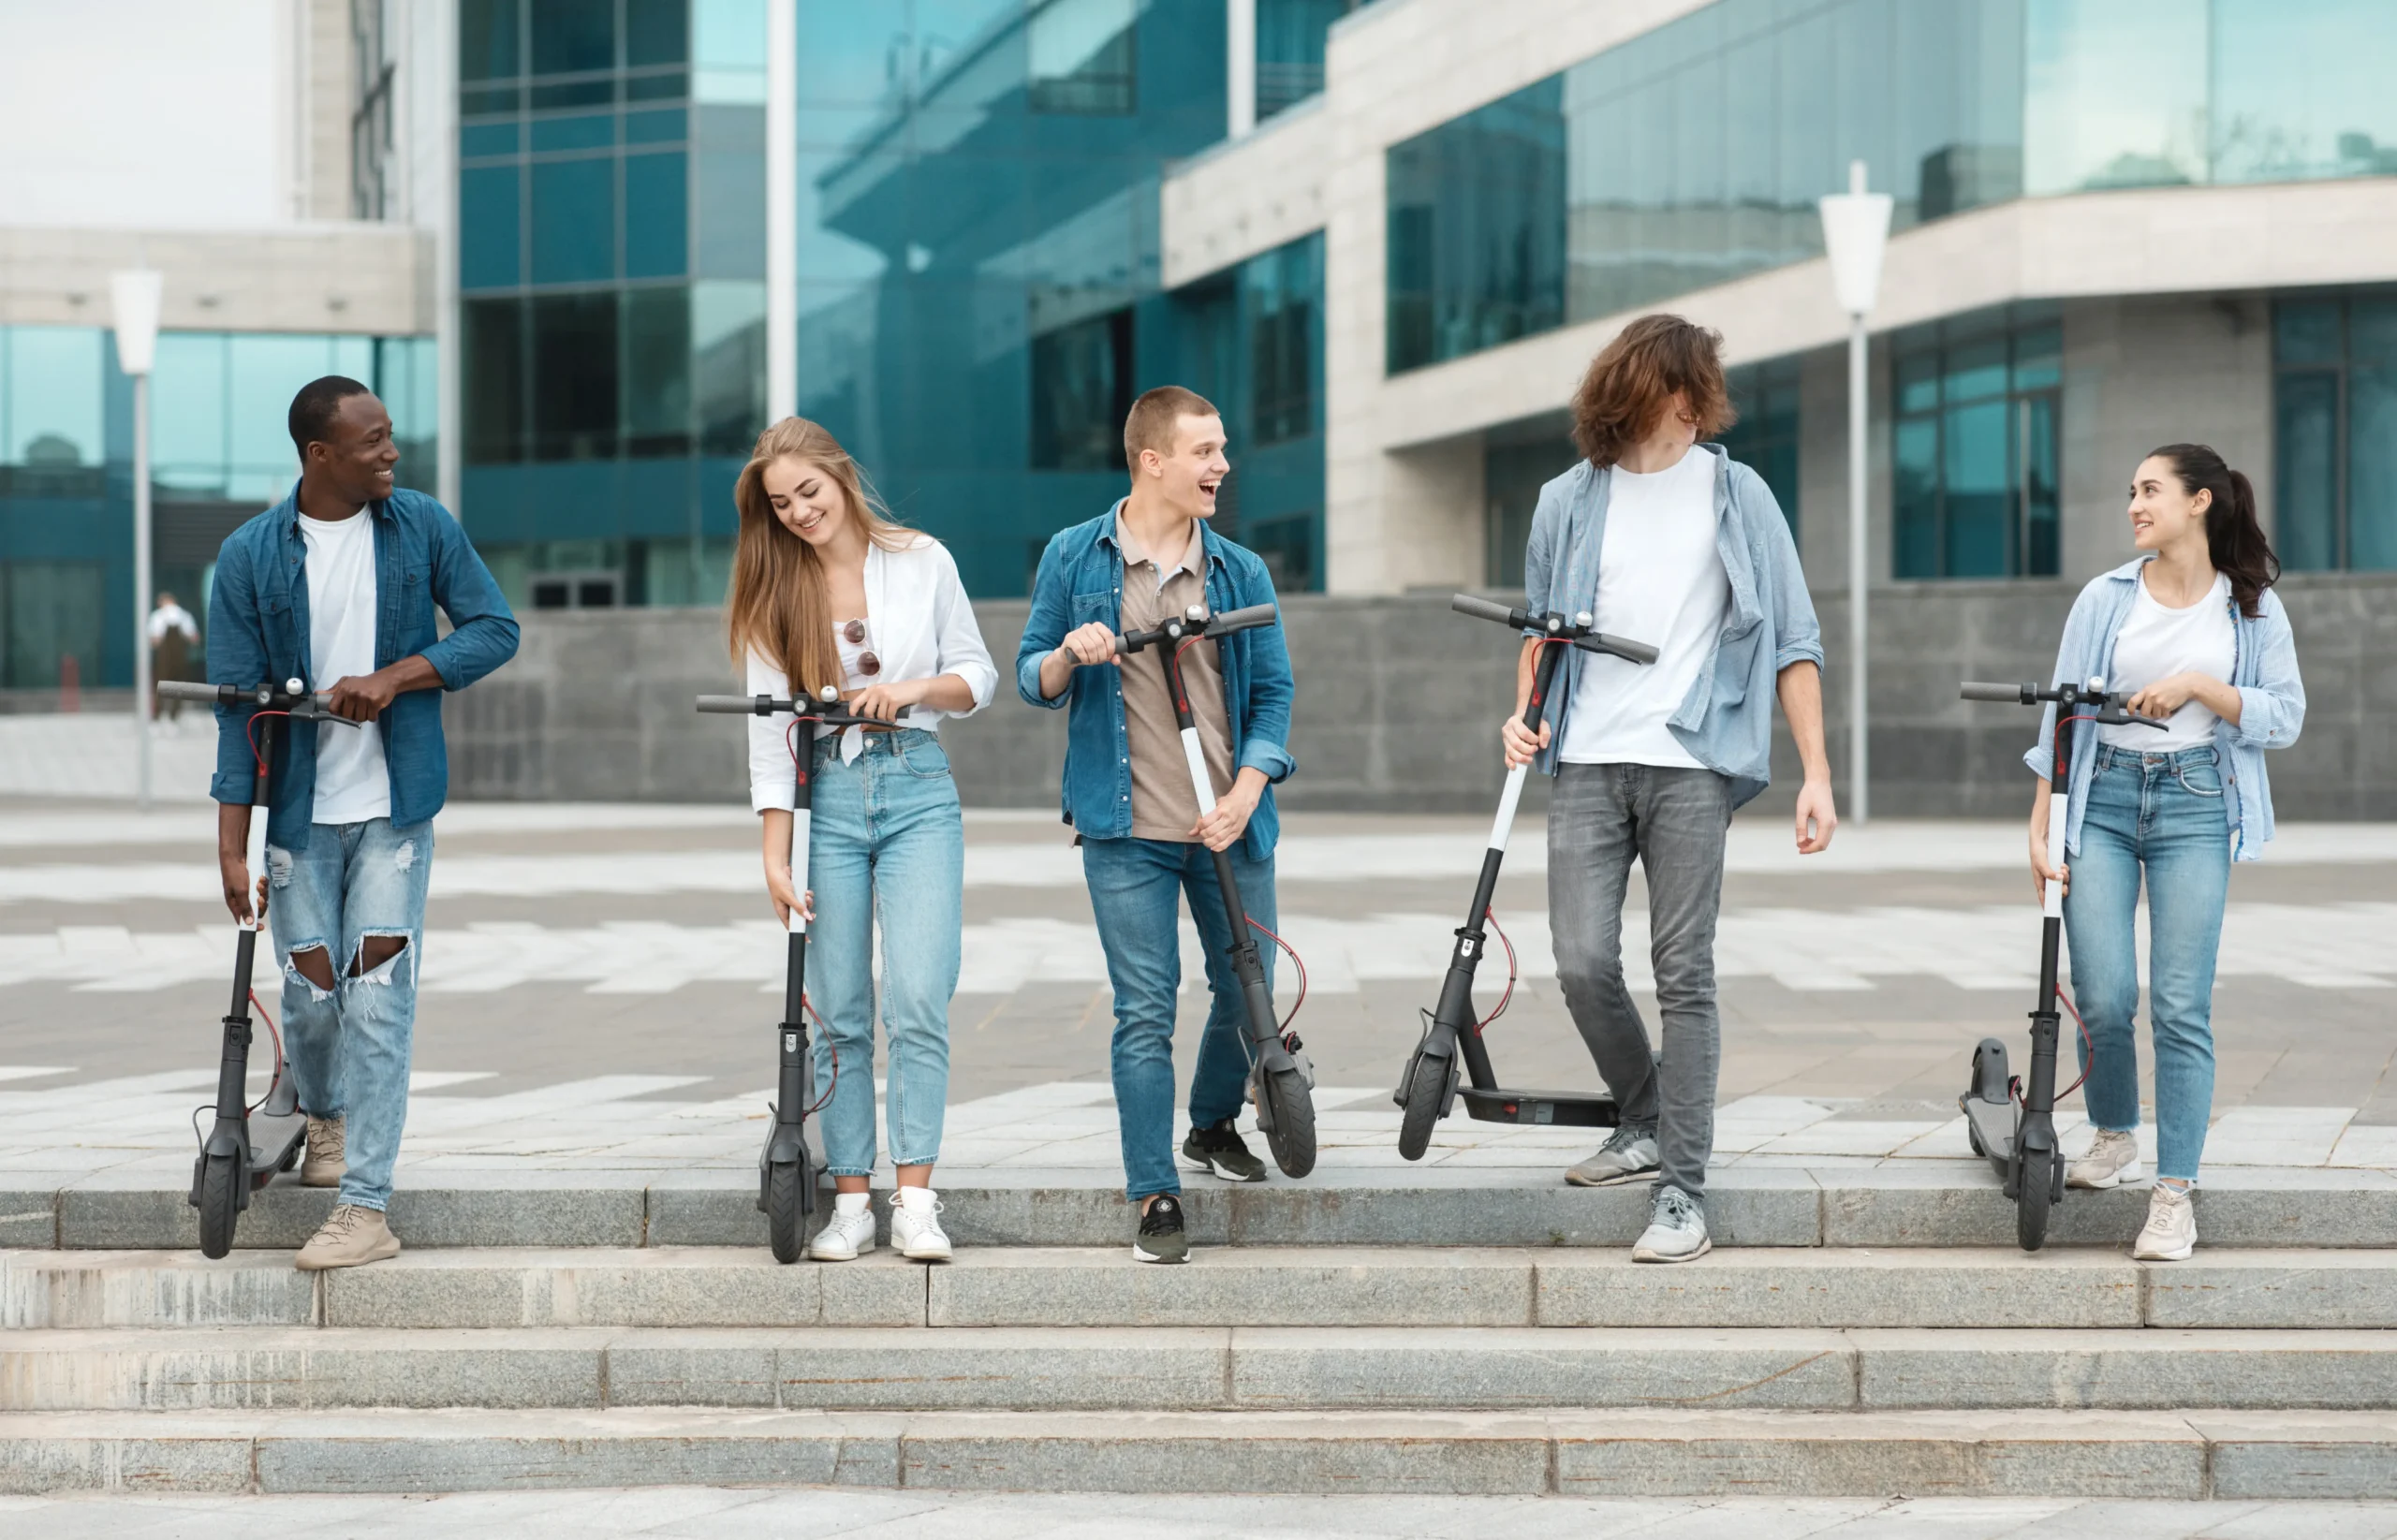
point(1428, 1090)
point(2019, 1136)
point(1281, 1077)
point(786, 1180)
point(248, 1145)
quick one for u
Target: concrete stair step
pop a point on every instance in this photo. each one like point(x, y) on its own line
point(1898, 1202)
point(1583, 1452)
point(1223, 1286)
point(1178, 1368)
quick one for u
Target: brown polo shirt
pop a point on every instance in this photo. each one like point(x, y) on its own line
point(1163, 807)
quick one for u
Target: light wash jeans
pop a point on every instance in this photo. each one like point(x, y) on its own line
point(1136, 889)
point(349, 1047)
point(2162, 813)
point(1675, 820)
point(887, 851)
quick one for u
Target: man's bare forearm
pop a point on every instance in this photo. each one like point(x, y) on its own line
point(1801, 688)
point(233, 829)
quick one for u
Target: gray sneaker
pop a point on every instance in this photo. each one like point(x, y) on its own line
point(1628, 1156)
point(1676, 1229)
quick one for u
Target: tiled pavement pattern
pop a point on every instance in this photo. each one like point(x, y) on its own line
point(727, 1514)
point(571, 943)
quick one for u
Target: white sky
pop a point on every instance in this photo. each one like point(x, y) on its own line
point(158, 113)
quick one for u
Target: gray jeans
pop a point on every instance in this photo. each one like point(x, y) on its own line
point(1675, 820)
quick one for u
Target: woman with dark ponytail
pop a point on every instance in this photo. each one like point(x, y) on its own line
point(2193, 633)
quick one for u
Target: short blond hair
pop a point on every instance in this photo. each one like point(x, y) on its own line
point(1151, 422)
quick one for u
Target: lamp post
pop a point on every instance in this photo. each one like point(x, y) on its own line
point(135, 297)
point(1856, 232)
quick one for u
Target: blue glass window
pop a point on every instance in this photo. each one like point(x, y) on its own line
point(52, 396)
point(1976, 465)
point(1283, 297)
point(487, 138)
point(489, 242)
point(1477, 236)
point(656, 32)
point(1081, 391)
point(492, 370)
point(488, 39)
point(656, 215)
point(574, 221)
point(573, 386)
point(2335, 431)
point(189, 445)
point(572, 36)
point(1765, 439)
point(585, 131)
point(1084, 56)
point(657, 372)
point(1289, 50)
point(662, 126)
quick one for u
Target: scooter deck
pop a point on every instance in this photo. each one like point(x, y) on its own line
point(1992, 1126)
point(275, 1139)
point(1559, 1109)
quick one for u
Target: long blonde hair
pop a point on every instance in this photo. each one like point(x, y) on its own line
point(779, 603)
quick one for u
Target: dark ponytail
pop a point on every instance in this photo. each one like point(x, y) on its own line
point(2234, 540)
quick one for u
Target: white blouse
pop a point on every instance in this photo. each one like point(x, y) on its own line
point(920, 625)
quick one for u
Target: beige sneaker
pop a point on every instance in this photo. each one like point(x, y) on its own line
point(323, 1165)
point(352, 1237)
point(2111, 1161)
point(2172, 1232)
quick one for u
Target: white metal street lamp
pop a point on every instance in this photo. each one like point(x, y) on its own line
point(1856, 232)
point(136, 296)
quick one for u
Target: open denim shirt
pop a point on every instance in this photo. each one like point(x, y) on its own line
point(257, 631)
point(1082, 580)
point(1726, 721)
point(2263, 670)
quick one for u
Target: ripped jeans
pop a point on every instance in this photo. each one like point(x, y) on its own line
point(349, 1047)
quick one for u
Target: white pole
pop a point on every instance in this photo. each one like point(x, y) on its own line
point(441, 209)
point(1239, 68)
point(1859, 808)
point(782, 210)
point(142, 681)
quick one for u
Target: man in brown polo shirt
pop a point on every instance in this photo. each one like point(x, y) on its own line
point(1127, 788)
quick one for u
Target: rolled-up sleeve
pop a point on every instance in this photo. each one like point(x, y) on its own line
point(1265, 725)
point(774, 780)
point(1798, 635)
point(2272, 711)
point(483, 631)
point(1044, 629)
point(236, 656)
point(958, 637)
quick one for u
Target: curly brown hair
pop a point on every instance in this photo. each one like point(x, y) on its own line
point(1633, 378)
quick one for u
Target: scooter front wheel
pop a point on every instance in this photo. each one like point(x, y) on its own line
point(2031, 1205)
point(785, 1215)
point(1427, 1086)
point(1291, 1136)
point(220, 1204)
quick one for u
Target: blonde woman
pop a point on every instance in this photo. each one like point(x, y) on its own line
point(828, 590)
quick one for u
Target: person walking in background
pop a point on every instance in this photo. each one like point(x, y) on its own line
point(828, 590)
point(173, 635)
point(1667, 540)
point(336, 585)
point(2192, 632)
point(1127, 793)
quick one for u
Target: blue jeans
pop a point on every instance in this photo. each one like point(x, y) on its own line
point(349, 1046)
point(1136, 887)
point(2162, 813)
point(887, 849)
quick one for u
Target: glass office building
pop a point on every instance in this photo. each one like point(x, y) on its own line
point(1692, 155)
point(219, 453)
point(978, 289)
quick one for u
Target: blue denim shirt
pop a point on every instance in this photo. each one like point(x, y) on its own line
point(257, 630)
point(1082, 580)
point(1726, 721)
point(2263, 670)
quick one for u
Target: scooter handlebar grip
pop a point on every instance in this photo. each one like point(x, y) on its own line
point(1638, 652)
point(730, 705)
point(184, 689)
point(2013, 695)
point(1488, 609)
point(1244, 620)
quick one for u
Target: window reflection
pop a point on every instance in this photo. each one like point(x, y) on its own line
point(1765, 438)
point(1974, 454)
point(54, 402)
point(2335, 431)
point(1084, 56)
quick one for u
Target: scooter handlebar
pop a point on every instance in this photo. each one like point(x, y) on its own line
point(836, 711)
point(184, 689)
point(314, 708)
point(1244, 620)
point(1489, 609)
point(2013, 695)
point(1635, 651)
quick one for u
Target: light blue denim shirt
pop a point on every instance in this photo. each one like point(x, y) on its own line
point(2263, 670)
point(1726, 721)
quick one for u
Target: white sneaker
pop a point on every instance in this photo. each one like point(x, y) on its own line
point(848, 1235)
point(2111, 1161)
point(2172, 1232)
point(1676, 1229)
point(915, 1225)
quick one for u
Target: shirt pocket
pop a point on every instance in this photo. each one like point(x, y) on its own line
point(1102, 608)
point(415, 606)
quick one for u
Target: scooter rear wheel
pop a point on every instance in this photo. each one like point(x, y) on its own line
point(786, 1218)
point(1427, 1086)
point(220, 1205)
point(1292, 1136)
point(2031, 1205)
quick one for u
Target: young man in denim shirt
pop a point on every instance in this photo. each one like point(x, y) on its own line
point(1127, 790)
point(336, 586)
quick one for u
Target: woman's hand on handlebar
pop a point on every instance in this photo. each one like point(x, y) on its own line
point(779, 888)
point(883, 701)
point(1521, 746)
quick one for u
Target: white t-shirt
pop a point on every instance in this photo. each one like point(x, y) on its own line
point(352, 784)
point(2157, 642)
point(1661, 581)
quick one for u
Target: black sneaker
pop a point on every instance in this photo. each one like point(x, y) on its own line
point(1218, 1149)
point(1161, 1238)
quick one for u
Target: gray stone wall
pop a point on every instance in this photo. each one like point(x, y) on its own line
point(1398, 704)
